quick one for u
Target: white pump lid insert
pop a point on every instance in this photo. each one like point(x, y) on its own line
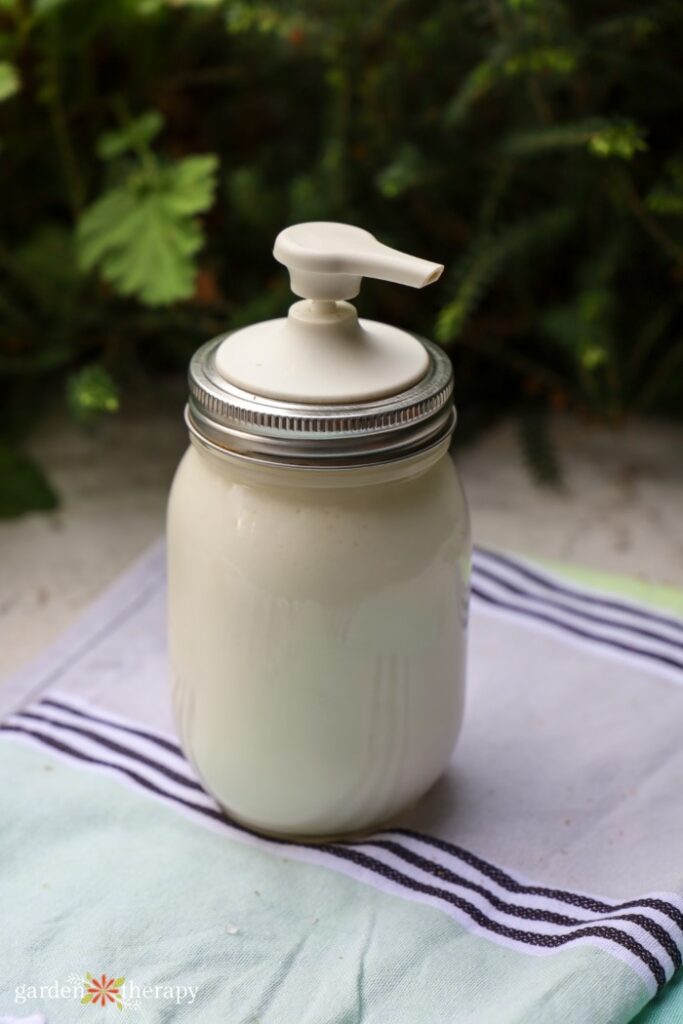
point(322, 352)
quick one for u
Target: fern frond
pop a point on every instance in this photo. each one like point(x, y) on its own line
point(602, 137)
point(547, 138)
point(480, 80)
point(485, 259)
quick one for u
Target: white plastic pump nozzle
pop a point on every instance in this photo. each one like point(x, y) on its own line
point(327, 261)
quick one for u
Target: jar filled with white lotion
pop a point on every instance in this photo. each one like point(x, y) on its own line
point(319, 548)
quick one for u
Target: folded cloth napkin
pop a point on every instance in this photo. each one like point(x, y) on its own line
point(541, 879)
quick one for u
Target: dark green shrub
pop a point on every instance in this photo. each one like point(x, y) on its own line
point(151, 149)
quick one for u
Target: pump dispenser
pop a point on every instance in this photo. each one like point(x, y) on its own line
point(318, 555)
point(322, 352)
point(321, 370)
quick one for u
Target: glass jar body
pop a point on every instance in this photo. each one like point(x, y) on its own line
point(317, 635)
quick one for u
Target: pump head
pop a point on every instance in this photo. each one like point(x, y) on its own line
point(327, 261)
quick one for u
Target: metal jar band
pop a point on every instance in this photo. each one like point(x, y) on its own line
point(227, 419)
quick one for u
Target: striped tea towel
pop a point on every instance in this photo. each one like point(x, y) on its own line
point(541, 879)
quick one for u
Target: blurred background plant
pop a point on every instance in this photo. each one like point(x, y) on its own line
point(151, 150)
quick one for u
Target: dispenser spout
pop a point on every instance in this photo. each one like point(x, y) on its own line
point(328, 261)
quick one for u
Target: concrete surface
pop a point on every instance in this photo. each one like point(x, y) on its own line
point(621, 510)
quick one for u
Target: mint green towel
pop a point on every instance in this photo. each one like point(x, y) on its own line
point(541, 880)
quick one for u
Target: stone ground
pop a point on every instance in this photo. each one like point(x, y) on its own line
point(620, 510)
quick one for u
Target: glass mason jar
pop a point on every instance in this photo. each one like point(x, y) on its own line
point(317, 612)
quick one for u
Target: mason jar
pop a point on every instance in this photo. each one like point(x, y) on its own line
point(318, 562)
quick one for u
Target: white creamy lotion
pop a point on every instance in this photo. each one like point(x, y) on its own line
point(319, 548)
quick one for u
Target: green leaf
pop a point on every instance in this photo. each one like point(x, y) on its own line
point(90, 393)
point(136, 134)
point(402, 174)
point(542, 140)
point(601, 136)
point(556, 59)
point(23, 485)
point(244, 16)
point(42, 8)
point(666, 201)
point(583, 329)
point(148, 8)
point(666, 197)
point(622, 139)
point(142, 235)
point(191, 184)
point(9, 80)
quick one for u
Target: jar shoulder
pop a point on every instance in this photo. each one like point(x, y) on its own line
point(201, 482)
point(318, 541)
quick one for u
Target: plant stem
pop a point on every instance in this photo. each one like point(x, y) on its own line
point(648, 222)
point(142, 150)
point(663, 372)
point(648, 338)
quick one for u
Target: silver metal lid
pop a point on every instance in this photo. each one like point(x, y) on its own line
point(227, 419)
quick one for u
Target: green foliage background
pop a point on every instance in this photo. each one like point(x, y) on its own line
point(151, 150)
